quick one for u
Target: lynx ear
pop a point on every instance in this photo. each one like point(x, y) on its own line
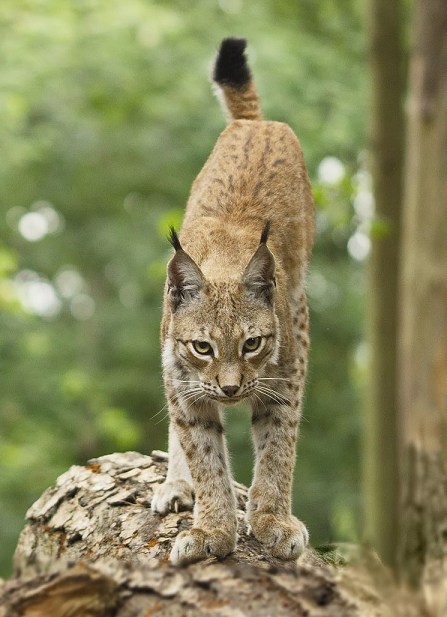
point(259, 275)
point(185, 279)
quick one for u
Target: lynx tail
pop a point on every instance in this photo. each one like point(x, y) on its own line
point(233, 78)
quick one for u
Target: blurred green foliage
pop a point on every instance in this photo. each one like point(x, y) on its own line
point(107, 116)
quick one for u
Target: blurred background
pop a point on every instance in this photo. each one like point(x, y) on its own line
point(107, 117)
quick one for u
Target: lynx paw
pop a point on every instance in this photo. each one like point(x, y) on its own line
point(172, 497)
point(196, 544)
point(285, 537)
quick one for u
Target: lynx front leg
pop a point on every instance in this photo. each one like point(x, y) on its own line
point(176, 493)
point(214, 532)
point(275, 430)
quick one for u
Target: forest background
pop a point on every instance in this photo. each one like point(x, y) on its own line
point(107, 117)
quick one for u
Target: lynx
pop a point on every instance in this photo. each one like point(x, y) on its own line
point(236, 326)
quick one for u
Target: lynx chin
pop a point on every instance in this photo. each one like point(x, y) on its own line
point(236, 325)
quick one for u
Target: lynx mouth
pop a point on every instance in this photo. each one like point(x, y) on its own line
point(226, 400)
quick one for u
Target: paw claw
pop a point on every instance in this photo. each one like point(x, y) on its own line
point(197, 544)
point(172, 496)
point(285, 537)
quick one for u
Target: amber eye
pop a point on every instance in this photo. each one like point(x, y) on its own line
point(251, 344)
point(202, 347)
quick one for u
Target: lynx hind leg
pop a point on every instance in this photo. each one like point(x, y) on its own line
point(176, 492)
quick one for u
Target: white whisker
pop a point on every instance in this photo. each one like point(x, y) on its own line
point(181, 395)
point(186, 391)
point(275, 396)
point(159, 412)
point(269, 389)
point(199, 399)
point(191, 394)
point(259, 399)
point(162, 419)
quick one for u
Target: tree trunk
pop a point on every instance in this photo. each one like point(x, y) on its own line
point(423, 369)
point(386, 143)
point(93, 548)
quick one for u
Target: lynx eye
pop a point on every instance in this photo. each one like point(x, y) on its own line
point(252, 344)
point(202, 347)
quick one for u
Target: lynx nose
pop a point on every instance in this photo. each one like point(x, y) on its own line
point(230, 390)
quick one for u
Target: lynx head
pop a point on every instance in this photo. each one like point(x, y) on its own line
point(222, 333)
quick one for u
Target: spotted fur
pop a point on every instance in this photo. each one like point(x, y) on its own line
point(236, 289)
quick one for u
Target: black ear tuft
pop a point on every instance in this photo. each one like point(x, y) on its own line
point(265, 233)
point(231, 66)
point(173, 239)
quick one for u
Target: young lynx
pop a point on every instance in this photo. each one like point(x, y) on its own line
point(236, 325)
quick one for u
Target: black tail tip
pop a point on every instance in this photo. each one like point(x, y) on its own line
point(173, 239)
point(231, 66)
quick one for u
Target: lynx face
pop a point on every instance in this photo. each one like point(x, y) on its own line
point(222, 339)
point(222, 333)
